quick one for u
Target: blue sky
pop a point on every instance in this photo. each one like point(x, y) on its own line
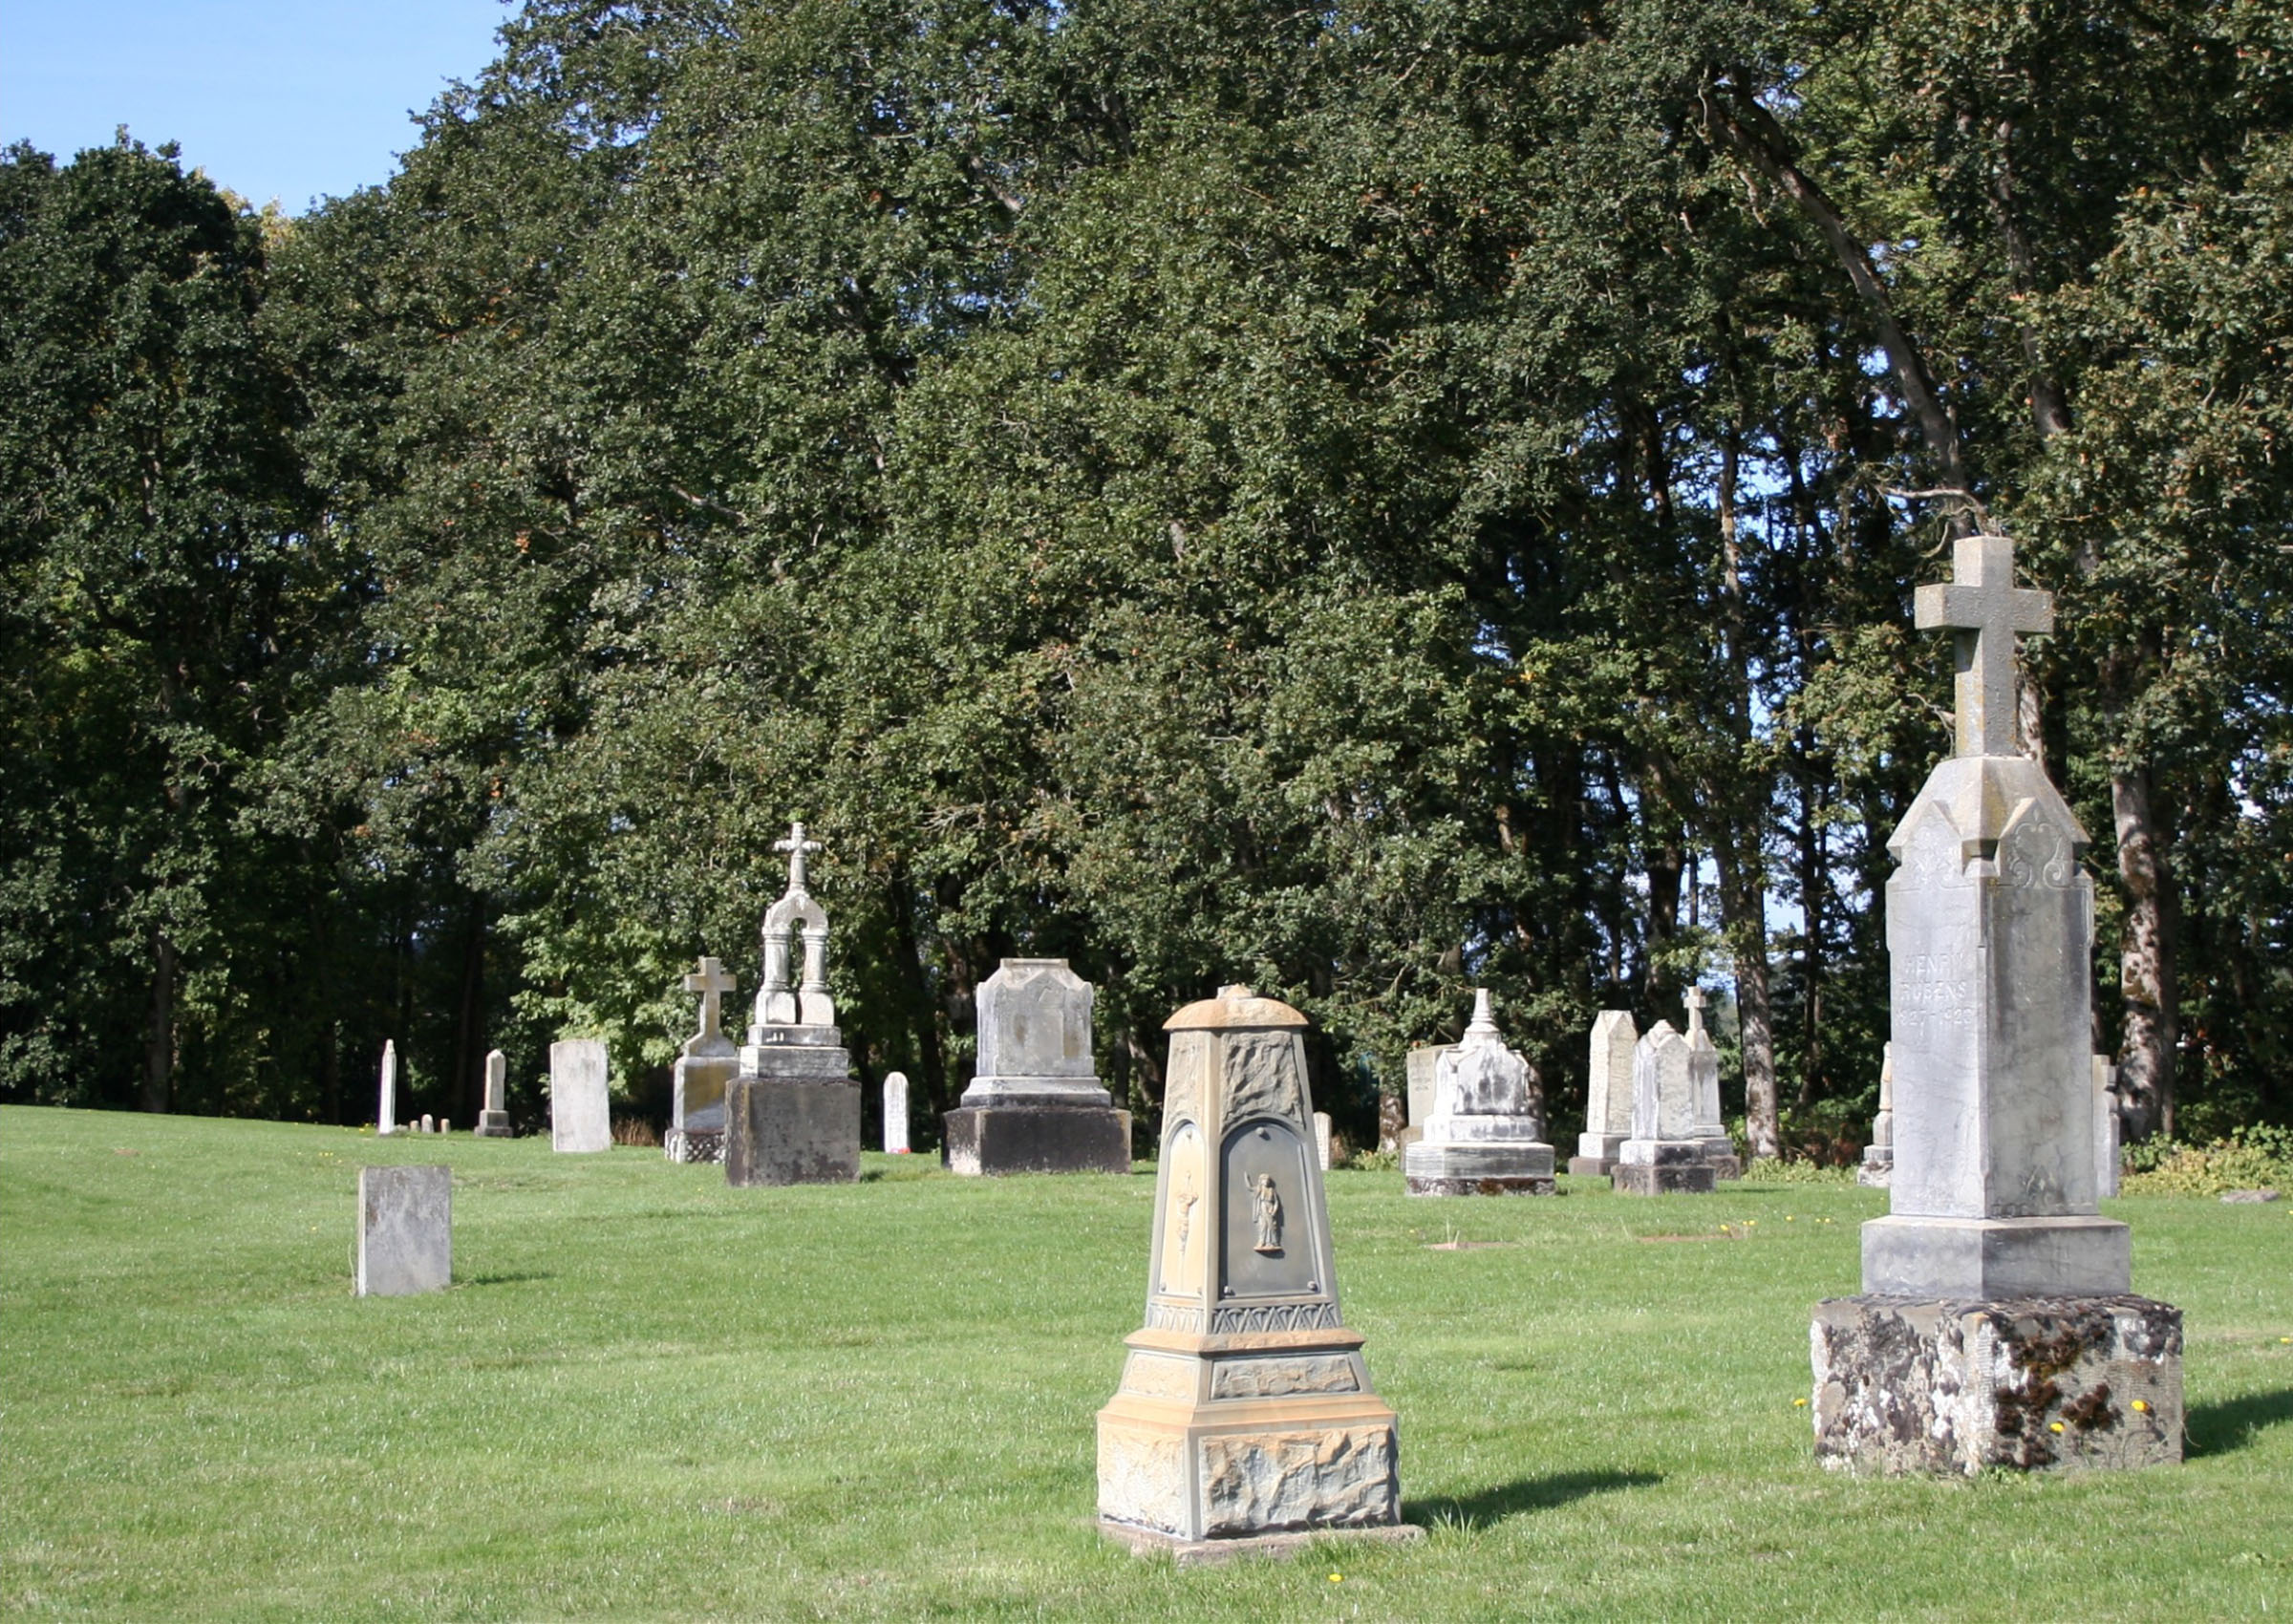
point(270, 98)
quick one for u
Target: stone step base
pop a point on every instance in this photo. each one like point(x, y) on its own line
point(1951, 1385)
point(1519, 1184)
point(686, 1144)
point(1592, 1167)
point(1673, 1178)
point(985, 1140)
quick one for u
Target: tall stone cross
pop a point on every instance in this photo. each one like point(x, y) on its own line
point(712, 982)
point(1984, 609)
point(797, 847)
point(1695, 1000)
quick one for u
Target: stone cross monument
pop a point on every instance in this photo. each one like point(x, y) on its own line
point(792, 1113)
point(1036, 1105)
point(1996, 1326)
point(1482, 1138)
point(1703, 1071)
point(1245, 1408)
point(493, 1121)
point(704, 1069)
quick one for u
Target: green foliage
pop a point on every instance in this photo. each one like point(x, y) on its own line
point(2258, 1157)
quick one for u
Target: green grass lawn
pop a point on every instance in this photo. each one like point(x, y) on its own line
point(648, 1396)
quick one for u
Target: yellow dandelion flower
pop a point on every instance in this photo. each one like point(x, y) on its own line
point(1799, 1403)
point(2053, 1427)
point(1336, 1578)
point(2141, 1406)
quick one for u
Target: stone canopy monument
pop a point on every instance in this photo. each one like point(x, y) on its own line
point(1665, 1152)
point(1245, 1407)
point(1607, 1096)
point(1036, 1104)
point(705, 1067)
point(792, 1112)
point(1482, 1138)
point(1996, 1326)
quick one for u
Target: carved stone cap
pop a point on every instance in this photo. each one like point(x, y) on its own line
point(1234, 1007)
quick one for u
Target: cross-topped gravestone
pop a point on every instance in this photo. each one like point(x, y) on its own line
point(798, 848)
point(1982, 607)
point(712, 982)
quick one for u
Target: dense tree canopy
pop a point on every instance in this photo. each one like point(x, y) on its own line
point(1365, 501)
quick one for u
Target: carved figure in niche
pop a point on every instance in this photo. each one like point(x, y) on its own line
point(1268, 1203)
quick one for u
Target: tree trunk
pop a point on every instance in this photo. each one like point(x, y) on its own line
point(469, 1018)
point(1743, 924)
point(2145, 970)
point(931, 1059)
point(159, 1036)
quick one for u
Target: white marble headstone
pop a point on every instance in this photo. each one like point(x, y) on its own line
point(386, 1110)
point(896, 1113)
point(580, 1111)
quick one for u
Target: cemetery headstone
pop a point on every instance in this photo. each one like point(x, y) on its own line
point(429, 1123)
point(493, 1122)
point(2107, 1129)
point(1245, 1406)
point(1036, 1105)
point(1321, 1140)
point(1424, 1075)
point(1608, 1096)
point(1483, 1137)
point(1666, 1154)
point(1878, 1156)
point(1704, 1066)
point(405, 1232)
point(792, 1112)
point(704, 1069)
point(581, 1119)
point(896, 1113)
point(1997, 1325)
point(386, 1109)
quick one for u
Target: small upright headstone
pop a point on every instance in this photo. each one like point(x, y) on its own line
point(1483, 1137)
point(580, 1111)
point(1996, 1326)
point(445, 1124)
point(1424, 1075)
point(429, 1123)
point(493, 1122)
point(1878, 1156)
point(1245, 1407)
point(406, 1230)
point(896, 1113)
point(704, 1070)
point(792, 1113)
point(1704, 1067)
point(1036, 1105)
point(1665, 1153)
point(1608, 1096)
point(386, 1110)
point(2107, 1128)
point(1321, 1140)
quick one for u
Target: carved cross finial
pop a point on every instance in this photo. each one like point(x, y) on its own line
point(797, 847)
point(1695, 1000)
point(712, 983)
point(1984, 608)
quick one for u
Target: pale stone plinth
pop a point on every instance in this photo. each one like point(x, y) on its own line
point(386, 1104)
point(581, 1120)
point(405, 1232)
point(1608, 1095)
point(1666, 1155)
point(1909, 1384)
point(705, 1068)
point(1995, 1301)
point(1482, 1138)
point(1036, 1105)
point(1245, 1407)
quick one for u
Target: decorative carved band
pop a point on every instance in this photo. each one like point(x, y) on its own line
point(1275, 1316)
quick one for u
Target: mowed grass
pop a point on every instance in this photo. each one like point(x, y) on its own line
point(651, 1397)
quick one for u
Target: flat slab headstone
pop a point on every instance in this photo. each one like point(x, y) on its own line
point(581, 1119)
point(1607, 1095)
point(405, 1241)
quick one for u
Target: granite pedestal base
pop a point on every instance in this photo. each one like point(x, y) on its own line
point(493, 1125)
point(1479, 1169)
point(1673, 1178)
point(1596, 1155)
point(1911, 1384)
point(987, 1140)
point(1993, 1259)
point(693, 1144)
point(781, 1130)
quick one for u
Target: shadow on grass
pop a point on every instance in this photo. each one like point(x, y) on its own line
point(505, 1279)
point(1493, 1506)
point(2230, 1423)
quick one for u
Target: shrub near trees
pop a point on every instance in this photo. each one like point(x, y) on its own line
point(1364, 502)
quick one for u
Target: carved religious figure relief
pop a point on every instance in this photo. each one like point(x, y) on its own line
point(1268, 1203)
point(1178, 1216)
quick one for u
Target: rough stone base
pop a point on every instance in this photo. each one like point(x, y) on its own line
point(1516, 1185)
point(792, 1132)
point(493, 1125)
point(1730, 1166)
point(1875, 1175)
point(1207, 1552)
point(987, 1140)
point(1909, 1384)
point(693, 1144)
point(1682, 1178)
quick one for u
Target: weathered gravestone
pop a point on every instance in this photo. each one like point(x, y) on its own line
point(1703, 1070)
point(1036, 1105)
point(1608, 1096)
point(792, 1113)
point(405, 1232)
point(581, 1121)
point(1996, 1326)
point(429, 1123)
point(386, 1107)
point(1245, 1406)
point(493, 1122)
point(1665, 1153)
point(896, 1113)
point(2107, 1128)
point(1482, 1137)
point(704, 1069)
point(1321, 1140)
point(1424, 1081)
point(1878, 1156)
